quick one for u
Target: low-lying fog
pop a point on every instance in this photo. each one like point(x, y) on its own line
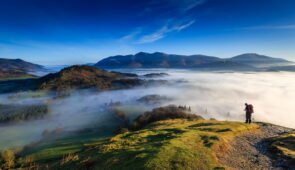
point(211, 95)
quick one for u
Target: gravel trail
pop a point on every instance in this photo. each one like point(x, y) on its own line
point(249, 150)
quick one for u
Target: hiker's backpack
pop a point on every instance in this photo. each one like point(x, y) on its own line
point(251, 108)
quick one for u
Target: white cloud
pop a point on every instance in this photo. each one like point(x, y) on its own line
point(153, 37)
point(161, 33)
point(181, 27)
point(173, 13)
point(131, 35)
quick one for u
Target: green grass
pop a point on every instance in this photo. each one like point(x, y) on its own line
point(170, 144)
point(28, 94)
point(64, 144)
point(284, 146)
point(17, 78)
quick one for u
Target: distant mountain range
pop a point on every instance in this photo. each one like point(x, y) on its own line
point(252, 58)
point(18, 64)
point(158, 60)
point(162, 60)
point(249, 61)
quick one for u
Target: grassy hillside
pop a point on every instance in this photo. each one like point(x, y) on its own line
point(168, 144)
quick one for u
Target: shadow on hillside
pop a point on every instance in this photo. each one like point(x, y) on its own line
point(214, 130)
point(208, 141)
point(204, 124)
point(7, 86)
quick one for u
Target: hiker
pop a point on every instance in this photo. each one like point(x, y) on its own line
point(249, 110)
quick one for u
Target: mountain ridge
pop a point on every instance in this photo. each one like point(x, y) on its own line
point(254, 58)
point(164, 60)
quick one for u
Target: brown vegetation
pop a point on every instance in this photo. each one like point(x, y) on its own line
point(86, 77)
point(69, 157)
point(7, 159)
point(163, 113)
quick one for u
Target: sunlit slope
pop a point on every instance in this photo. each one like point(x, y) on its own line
point(170, 144)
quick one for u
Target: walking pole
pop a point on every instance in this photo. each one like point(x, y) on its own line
point(253, 120)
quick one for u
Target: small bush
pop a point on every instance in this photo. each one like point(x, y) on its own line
point(163, 113)
point(122, 130)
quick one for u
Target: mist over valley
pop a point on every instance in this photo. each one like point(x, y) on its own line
point(218, 95)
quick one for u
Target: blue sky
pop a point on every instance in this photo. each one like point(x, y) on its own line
point(53, 32)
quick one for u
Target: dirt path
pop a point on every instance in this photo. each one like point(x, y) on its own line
point(249, 150)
